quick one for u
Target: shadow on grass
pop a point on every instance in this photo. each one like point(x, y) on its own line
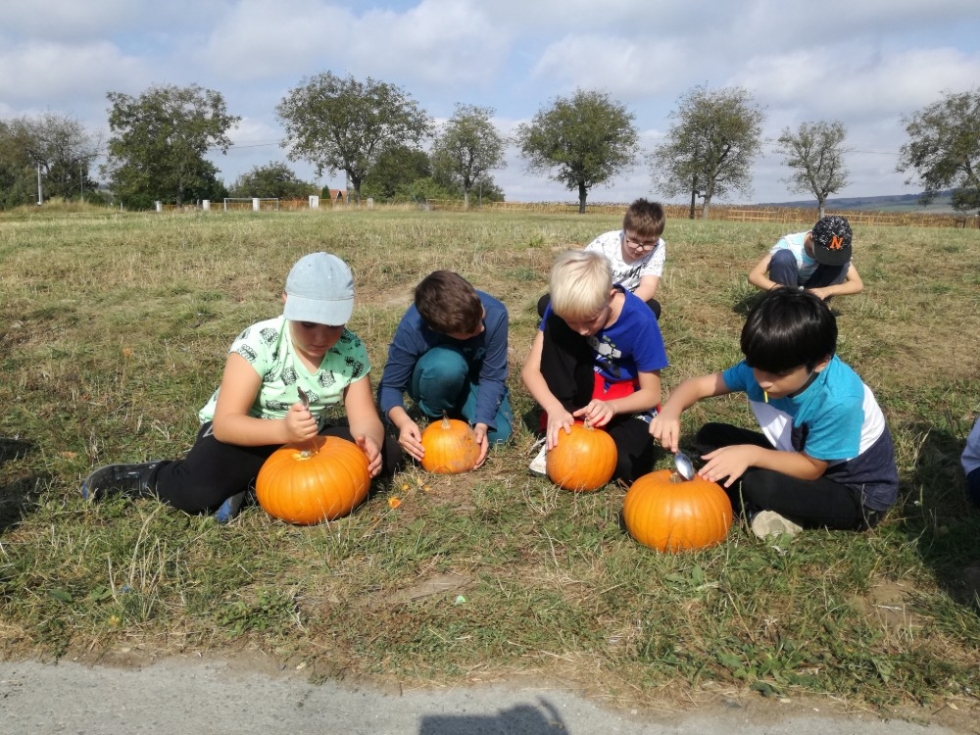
point(946, 525)
point(16, 496)
point(522, 718)
point(744, 305)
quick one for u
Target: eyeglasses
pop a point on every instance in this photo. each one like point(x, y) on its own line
point(642, 244)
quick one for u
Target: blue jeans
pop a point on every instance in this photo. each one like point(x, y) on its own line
point(784, 271)
point(441, 384)
point(973, 487)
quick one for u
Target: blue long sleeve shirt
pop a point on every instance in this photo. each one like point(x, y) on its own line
point(486, 354)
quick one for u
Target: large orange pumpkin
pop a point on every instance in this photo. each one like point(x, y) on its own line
point(314, 481)
point(450, 447)
point(668, 513)
point(583, 460)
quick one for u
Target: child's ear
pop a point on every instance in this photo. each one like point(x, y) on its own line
point(283, 297)
point(822, 364)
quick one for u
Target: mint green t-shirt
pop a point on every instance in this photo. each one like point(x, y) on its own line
point(269, 350)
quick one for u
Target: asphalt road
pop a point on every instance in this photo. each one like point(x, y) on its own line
point(203, 697)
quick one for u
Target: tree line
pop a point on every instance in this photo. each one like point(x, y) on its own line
point(389, 148)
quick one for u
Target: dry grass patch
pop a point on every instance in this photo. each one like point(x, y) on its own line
point(114, 330)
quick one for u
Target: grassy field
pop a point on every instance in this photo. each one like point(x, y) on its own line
point(114, 332)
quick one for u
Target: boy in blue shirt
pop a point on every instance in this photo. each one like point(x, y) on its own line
point(449, 354)
point(825, 457)
point(597, 357)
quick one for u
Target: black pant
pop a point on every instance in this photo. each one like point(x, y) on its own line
point(567, 365)
point(214, 471)
point(820, 503)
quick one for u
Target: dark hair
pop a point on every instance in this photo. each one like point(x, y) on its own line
point(645, 219)
point(788, 328)
point(448, 303)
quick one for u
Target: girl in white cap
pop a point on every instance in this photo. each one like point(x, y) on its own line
point(280, 377)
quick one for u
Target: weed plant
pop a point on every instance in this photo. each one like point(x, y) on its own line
point(114, 329)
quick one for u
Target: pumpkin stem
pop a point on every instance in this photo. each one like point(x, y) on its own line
point(445, 420)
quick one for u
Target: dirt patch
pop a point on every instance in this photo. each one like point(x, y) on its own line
point(889, 603)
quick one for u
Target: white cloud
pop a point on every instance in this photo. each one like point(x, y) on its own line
point(867, 64)
point(622, 67)
point(61, 76)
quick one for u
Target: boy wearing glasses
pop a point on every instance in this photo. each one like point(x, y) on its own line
point(636, 253)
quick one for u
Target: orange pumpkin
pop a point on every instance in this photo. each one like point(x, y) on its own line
point(668, 513)
point(583, 460)
point(314, 481)
point(450, 447)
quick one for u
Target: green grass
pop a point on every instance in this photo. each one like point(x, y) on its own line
point(114, 329)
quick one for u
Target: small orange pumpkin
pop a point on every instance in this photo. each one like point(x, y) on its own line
point(314, 481)
point(450, 447)
point(583, 460)
point(668, 513)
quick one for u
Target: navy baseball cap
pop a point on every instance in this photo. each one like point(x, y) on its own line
point(831, 240)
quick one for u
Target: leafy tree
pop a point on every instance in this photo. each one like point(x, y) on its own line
point(271, 180)
point(468, 147)
point(816, 155)
point(708, 151)
point(57, 145)
point(944, 149)
point(158, 144)
point(584, 140)
point(395, 168)
point(343, 124)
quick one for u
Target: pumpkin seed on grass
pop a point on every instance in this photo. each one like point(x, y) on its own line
point(115, 343)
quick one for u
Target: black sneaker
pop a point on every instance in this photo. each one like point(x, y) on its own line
point(132, 480)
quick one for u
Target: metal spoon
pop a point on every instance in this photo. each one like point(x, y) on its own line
point(684, 465)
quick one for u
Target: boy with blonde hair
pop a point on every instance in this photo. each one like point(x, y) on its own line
point(597, 357)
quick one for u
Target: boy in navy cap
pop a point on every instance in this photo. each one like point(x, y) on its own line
point(818, 261)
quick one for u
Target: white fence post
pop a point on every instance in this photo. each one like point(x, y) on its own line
point(159, 206)
point(206, 205)
point(255, 204)
point(314, 201)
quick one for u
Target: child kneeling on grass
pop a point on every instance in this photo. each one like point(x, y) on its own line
point(825, 457)
point(597, 357)
point(258, 406)
point(449, 354)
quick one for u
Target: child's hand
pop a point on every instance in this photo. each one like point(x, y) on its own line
point(557, 422)
point(410, 439)
point(300, 424)
point(597, 413)
point(373, 453)
point(481, 438)
point(728, 462)
point(666, 430)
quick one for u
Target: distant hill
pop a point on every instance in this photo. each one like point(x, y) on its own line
point(894, 203)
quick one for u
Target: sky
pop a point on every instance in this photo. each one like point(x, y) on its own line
point(867, 64)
